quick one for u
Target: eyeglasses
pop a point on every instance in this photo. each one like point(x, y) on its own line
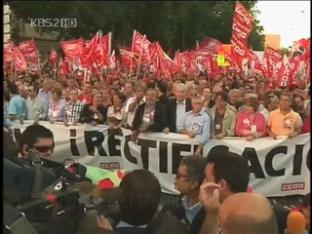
point(44, 149)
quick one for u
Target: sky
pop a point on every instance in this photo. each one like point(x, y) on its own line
point(290, 19)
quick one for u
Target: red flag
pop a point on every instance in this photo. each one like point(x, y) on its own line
point(181, 62)
point(242, 15)
point(284, 73)
point(126, 57)
point(102, 50)
point(241, 31)
point(30, 53)
point(242, 25)
point(53, 57)
point(87, 55)
point(209, 44)
point(19, 60)
point(73, 48)
point(140, 45)
point(273, 58)
point(8, 51)
point(294, 64)
point(273, 54)
point(65, 67)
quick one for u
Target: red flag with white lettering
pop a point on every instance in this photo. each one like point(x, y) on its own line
point(284, 73)
point(140, 46)
point(241, 28)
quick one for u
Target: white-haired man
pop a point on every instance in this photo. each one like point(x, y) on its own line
point(178, 106)
point(196, 123)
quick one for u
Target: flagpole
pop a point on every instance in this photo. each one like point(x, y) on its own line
point(139, 63)
point(131, 57)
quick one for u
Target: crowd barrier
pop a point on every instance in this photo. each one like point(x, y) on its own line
point(278, 167)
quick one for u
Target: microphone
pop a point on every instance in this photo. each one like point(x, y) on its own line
point(295, 222)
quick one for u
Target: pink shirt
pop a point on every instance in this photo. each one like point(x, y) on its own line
point(244, 122)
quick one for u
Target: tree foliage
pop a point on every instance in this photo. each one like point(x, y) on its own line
point(176, 25)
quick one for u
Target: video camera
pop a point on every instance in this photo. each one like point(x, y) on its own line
point(56, 200)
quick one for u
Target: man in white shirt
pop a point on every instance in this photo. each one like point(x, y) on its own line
point(133, 103)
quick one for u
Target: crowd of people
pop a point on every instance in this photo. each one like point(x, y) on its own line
point(212, 191)
point(211, 188)
point(226, 106)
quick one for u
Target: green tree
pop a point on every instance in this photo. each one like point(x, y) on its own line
point(176, 25)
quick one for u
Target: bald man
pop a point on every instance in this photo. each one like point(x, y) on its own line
point(255, 216)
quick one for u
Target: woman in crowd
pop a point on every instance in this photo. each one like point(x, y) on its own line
point(116, 115)
point(107, 101)
point(96, 113)
point(250, 123)
point(56, 106)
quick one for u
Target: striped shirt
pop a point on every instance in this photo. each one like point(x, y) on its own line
point(72, 111)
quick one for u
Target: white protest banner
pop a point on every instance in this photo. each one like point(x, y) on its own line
point(278, 167)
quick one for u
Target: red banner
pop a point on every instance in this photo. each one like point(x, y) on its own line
point(240, 31)
point(242, 15)
point(273, 54)
point(283, 74)
point(241, 28)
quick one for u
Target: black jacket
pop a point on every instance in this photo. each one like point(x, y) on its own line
point(160, 118)
point(172, 112)
point(87, 115)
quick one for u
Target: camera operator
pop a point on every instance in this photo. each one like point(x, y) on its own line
point(27, 175)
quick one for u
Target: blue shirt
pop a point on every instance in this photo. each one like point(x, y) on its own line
point(17, 106)
point(190, 212)
point(6, 121)
point(198, 123)
point(42, 104)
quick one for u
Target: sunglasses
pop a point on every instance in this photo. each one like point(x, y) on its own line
point(44, 149)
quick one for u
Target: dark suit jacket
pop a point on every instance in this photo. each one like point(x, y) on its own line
point(172, 112)
point(160, 118)
point(130, 230)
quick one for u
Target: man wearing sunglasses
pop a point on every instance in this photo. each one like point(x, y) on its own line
point(36, 143)
point(36, 139)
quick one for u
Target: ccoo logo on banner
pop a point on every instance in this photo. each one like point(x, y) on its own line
point(278, 167)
